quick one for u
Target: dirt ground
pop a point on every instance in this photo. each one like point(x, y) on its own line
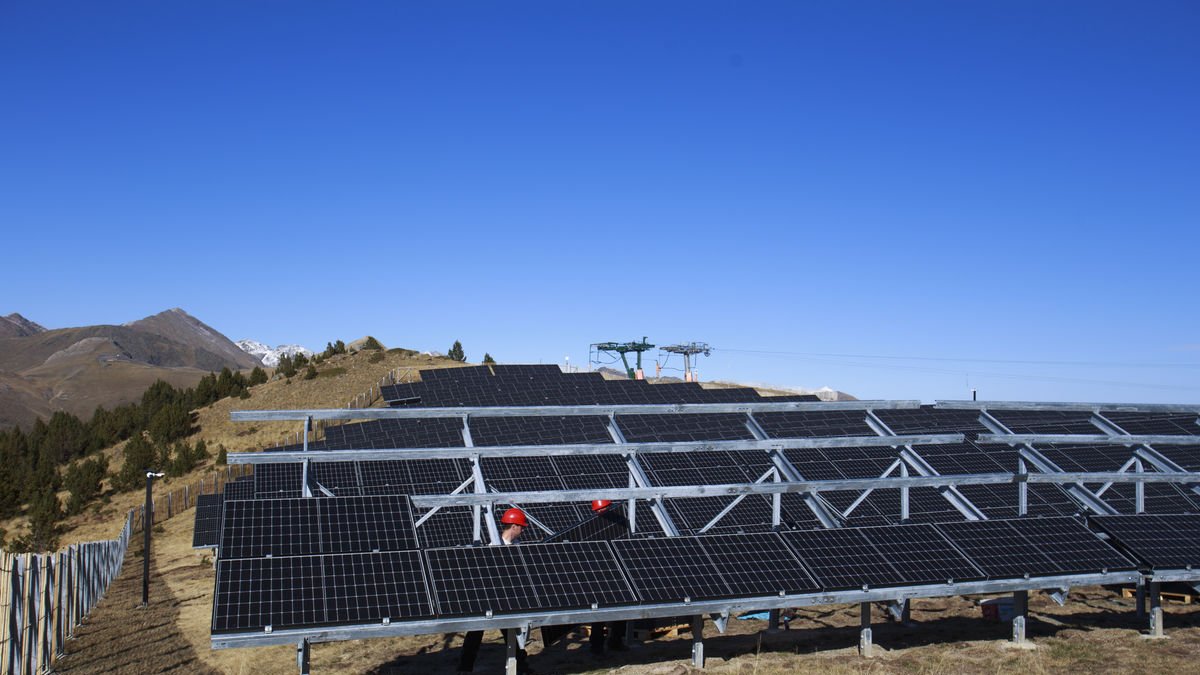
point(1097, 631)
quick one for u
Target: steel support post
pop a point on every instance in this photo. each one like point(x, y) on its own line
point(147, 523)
point(304, 657)
point(1139, 488)
point(1140, 599)
point(904, 508)
point(1022, 488)
point(773, 621)
point(1020, 616)
point(865, 644)
point(1156, 612)
point(698, 641)
point(510, 652)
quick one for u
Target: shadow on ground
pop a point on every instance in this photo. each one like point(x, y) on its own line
point(121, 636)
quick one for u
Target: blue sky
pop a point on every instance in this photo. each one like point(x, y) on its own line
point(898, 200)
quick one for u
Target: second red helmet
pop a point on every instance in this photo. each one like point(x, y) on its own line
point(601, 504)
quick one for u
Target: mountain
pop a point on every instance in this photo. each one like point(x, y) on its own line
point(15, 325)
point(270, 355)
point(179, 326)
point(78, 369)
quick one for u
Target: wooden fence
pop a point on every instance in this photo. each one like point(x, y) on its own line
point(43, 597)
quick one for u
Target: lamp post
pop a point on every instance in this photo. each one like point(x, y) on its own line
point(147, 523)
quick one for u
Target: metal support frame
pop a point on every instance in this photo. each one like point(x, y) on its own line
point(950, 493)
point(1022, 487)
point(1020, 616)
point(1079, 407)
point(866, 647)
point(639, 479)
point(1156, 611)
point(738, 500)
point(698, 640)
point(304, 657)
point(1076, 490)
point(788, 472)
point(510, 653)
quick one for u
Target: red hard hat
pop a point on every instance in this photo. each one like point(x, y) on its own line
point(600, 504)
point(514, 517)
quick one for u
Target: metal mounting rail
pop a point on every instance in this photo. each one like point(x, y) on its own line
point(1087, 439)
point(558, 410)
point(289, 456)
point(1085, 407)
point(768, 488)
point(568, 617)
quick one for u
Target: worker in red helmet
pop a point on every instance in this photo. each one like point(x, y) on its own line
point(600, 505)
point(512, 524)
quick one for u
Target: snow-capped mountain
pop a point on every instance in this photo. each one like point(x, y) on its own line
point(270, 355)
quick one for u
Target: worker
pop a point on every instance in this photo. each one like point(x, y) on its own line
point(512, 524)
point(615, 629)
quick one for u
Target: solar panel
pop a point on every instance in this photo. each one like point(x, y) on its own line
point(274, 527)
point(278, 592)
point(292, 592)
point(671, 569)
point(1166, 424)
point(474, 580)
point(340, 478)
point(359, 524)
point(757, 564)
point(1046, 421)
point(921, 554)
point(611, 524)
point(810, 423)
point(683, 428)
point(239, 490)
point(1160, 541)
point(370, 587)
point(1032, 547)
point(309, 526)
point(843, 558)
point(207, 531)
point(450, 526)
point(277, 480)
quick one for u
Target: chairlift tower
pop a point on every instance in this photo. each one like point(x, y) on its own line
point(688, 351)
point(623, 348)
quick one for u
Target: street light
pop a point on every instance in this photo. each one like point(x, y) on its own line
point(147, 523)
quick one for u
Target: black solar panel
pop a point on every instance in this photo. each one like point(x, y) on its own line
point(1160, 541)
point(757, 564)
point(1032, 547)
point(292, 592)
point(239, 490)
point(450, 526)
point(879, 556)
point(683, 428)
point(274, 527)
point(340, 478)
point(309, 526)
point(927, 420)
point(1166, 424)
point(471, 581)
point(277, 480)
point(207, 531)
point(671, 569)
point(278, 592)
point(360, 524)
point(1046, 421)
point(810, 423)
point(612, 524)
point(370, 587)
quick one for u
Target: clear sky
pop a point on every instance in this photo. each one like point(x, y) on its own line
point(894, 199)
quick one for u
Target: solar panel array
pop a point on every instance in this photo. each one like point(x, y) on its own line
point(1160, 542)
point(355, 553)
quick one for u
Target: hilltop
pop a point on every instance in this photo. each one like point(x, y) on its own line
point(76, 370)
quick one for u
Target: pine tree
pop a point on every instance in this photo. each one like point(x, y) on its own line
point(371, 343)
point(222, 455)
point(456, 352)
point(45, 512)
point(487, 359)
point(257, 376)
point(139, 457)
point(311, 373)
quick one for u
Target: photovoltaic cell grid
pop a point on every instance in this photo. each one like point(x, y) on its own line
point(207, 531)
point(1046, 421)
point(292, 592)
point(1161, 542)
point(671, 569)
point(814, 423)
point(239, 490)
point(880, 556)
point(308, 526)
point(277, 481)
point(1033, 547)
point(471, 581)
point(1165, 424)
